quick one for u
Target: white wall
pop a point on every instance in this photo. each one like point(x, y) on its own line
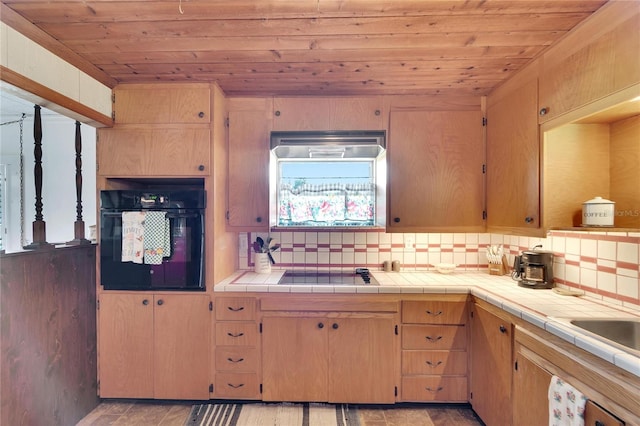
point(58, 183)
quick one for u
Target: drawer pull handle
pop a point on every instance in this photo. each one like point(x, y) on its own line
point(232, 309)
point(433, 339)
point(235, 360)
point(434, 364)
point(235, 335)
point(435, 314)
point(599, 423)
point(436, 390)
point(231, 385)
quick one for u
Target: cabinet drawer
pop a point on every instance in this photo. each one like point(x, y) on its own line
point(237, 359)
point(434, 388)
point(236, 308)
point(596, 415)
point(237, 385)
point(434, 312)
point(434, 337)
point(236, 334)
point(434, 362)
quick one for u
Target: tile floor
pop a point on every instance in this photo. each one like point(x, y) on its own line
point(174, 413)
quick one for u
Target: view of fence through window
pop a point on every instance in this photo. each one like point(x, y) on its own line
point(326, 193)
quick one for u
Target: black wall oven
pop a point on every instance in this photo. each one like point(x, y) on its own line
point(152, 239)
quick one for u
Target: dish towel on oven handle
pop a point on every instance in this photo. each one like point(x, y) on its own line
point(566, 404)
point(132, 236)
point(157, 238)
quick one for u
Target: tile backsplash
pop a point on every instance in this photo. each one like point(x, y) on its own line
point(605, 265)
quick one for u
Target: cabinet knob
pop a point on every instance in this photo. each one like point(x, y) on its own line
point(201, 167)
point(503, 329)
point(599, 423)
point(396, 219)
point(277, 113)
point(258, 219)
point(335, 326)
point(377, 112)
point(528, 219)
point(201, 114)
point(145, 302)
point(320, 325)
point(544, 111)
point(160, 302)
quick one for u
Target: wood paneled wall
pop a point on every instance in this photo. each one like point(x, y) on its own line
point(48, 336)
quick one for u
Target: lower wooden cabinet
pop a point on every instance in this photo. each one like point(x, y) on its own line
point(531, 378)
point(154, 345)
point(329, 358)
point(237, 339)
point(434, 350)
point(491, 366)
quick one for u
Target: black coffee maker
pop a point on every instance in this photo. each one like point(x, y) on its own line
point(534, 268)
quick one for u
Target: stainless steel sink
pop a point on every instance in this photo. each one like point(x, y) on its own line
point(625, 332)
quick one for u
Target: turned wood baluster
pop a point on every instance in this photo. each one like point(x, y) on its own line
point(78, 226)
point(39, 226)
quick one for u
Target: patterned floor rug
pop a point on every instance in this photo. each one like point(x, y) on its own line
point(276, 414)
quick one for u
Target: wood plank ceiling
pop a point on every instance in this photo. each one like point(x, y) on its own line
point(301, 47)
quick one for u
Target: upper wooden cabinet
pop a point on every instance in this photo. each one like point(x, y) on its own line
point(513, 159)
point(328, 113)
point(162, 103)
point(248, 188)
point(154, 151)
point(599, 58)
point(435, 179)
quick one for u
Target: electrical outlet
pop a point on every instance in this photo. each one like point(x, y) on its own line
point(409, 241)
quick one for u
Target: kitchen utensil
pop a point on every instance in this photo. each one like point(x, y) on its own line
point(256, 247)
point(261, 242)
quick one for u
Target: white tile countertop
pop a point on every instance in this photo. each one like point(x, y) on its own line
point(541, 307)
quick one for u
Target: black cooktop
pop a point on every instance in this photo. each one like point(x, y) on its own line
point(358, 277)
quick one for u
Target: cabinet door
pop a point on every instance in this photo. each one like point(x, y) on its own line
point(362, 360)
point(530, 390)
point(182, 346)
point(301, 114)
point(125, 348)
point(162, 103)
point(294, 359)
point(248, 188)
point(513, 160)
point(435, 171)
point(601, 66)
point(331, 113)
point(491, 346)
point(158, 151)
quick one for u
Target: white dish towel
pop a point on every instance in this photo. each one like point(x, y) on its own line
point(566, 404)
point(133, 236)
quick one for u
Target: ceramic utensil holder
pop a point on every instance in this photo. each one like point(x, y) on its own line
point(262, 265)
